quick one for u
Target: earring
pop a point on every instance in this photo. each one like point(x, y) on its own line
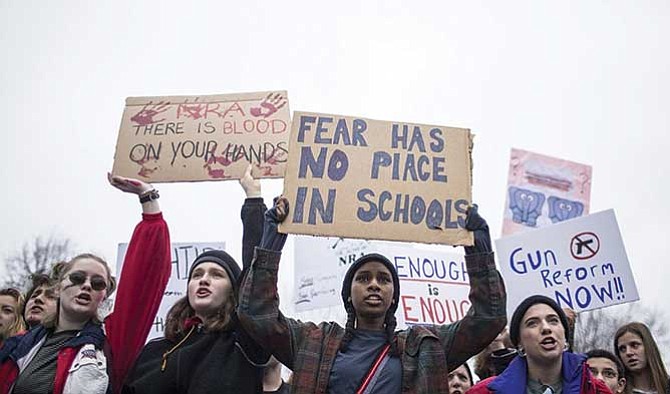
point(522, 352)
point(349, 299)
point(566, 347)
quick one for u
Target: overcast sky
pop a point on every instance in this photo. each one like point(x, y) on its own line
point(586, 81)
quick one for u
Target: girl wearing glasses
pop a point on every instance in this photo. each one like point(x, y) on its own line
point(544, 365)
point(70, 352)
point(637, 350)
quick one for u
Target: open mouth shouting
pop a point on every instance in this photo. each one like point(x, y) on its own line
point(83, 299)
point(374, 300)
point(549, 343)
point(203, 292)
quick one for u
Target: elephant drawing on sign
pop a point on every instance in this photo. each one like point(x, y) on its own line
point(561, 209)
point(526, 205)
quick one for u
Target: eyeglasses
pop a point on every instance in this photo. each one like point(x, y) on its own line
point(98, 283)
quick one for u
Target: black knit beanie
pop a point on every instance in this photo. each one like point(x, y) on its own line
point(349, 277)
point(514, 327)
point(222, 259)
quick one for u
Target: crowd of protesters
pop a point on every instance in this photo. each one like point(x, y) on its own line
point(228, 334)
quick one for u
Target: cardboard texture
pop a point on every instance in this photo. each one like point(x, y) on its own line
point(362, 178)
point(543, 190)
point(581, 263)
point(203, 138)
point(434, 284)
point(183, 255)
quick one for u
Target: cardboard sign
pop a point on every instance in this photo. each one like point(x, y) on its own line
point(580, 263)
point(203, 138)
point(363, 178)
point(543, 190)
point(183, 256)
point(434, 286)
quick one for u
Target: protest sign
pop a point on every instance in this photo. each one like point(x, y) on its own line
point(581, 263)
point(363, 178)
point(543, 190)
point(203, 138)
point(434, 285)
point(183, 255)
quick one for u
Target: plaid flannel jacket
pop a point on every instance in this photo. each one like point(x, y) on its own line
point(428, 353)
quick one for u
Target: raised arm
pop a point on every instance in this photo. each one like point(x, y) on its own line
point(146, 270)
point(252, 216)
point(258, 309)
point(487, 314)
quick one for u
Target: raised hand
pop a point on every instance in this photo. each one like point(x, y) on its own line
point(251, 185)
point(480, 229)
point(128, 185)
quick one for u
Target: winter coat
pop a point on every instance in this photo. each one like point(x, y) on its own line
point(577, 378)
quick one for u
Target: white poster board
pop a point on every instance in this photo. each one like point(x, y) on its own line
point(581, 263)
point(182, 255)
point(434, 284)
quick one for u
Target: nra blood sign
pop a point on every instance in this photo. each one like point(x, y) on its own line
point(584, 245)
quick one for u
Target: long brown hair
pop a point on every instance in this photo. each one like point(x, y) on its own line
point(18, 325)
point(60, 271)
point(181, 311)
point(659, 376)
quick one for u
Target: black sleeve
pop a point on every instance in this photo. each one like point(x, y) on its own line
point(253, 212)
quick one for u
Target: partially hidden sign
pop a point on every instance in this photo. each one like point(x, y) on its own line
point(183, 256)
point(543, 190)
point(580, 263)
point(362, 178)
point(203, 138)
point(434, 285)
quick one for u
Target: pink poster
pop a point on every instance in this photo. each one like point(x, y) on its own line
point(543, 190)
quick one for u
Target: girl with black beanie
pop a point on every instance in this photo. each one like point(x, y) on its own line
point(204, 349)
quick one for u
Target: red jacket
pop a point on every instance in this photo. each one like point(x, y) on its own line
point(145, 274)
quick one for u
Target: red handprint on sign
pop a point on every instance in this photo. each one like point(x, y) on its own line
point(216, 166)
point(145, 169)
point(269, 105)
point(147, 113)
point(194, 110)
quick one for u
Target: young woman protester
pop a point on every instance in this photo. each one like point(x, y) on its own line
point(460, 379)
point(70, 352)
point(539, 329)
point(368, 355)
point(637, 349)
point(11, 321)
point(204, 349)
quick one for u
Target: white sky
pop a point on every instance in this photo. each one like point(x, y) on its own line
point(586, 81)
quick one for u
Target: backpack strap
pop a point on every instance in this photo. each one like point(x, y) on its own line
point(373, 373)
